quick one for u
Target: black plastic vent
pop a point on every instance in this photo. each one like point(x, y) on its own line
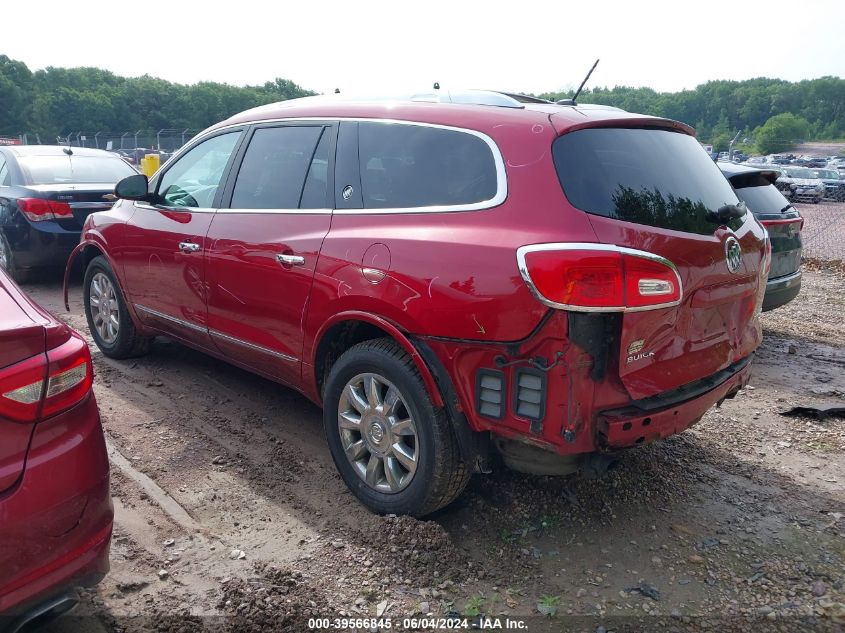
point(490, 393)
point(529, 394)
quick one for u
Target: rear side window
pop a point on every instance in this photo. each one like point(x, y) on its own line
point(418, 166)
point(647, 176)
point(272, 174)
point(5, 181)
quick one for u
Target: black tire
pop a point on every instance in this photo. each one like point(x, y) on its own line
point(7, 256)
point(128, 343)
point(441, 475)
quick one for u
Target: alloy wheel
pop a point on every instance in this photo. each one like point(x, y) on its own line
point(378, 433)
point(104, 308)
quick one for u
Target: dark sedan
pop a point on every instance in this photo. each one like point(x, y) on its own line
point(756, 187)
point(46, 193)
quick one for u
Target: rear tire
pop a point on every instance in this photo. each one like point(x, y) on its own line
point(100, 288)
point(7, 261)
point(371, 439)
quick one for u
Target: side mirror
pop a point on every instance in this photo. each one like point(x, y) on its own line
point(133, 188)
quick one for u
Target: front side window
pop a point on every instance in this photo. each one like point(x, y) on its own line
point(419, 166)
point(193, 180)
point(273, 171)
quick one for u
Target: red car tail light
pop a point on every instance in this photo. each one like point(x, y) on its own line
point(52, 383)
point(22, 388)
point(599, 277)
point(798, 221)
point(39, 209)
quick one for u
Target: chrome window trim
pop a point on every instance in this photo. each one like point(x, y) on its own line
point(277, 211)
point(578, 246)
point(199, 328)
point(150, 207)
point(167, 317)
point(501, 174)
point(253, 346)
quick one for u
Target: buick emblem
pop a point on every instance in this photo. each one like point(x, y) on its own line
point(733, 254)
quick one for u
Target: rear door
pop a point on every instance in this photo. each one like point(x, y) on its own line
point(262, 246)
point(164, 247)
point(656, 190)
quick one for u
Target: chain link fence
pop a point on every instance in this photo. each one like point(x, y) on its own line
point(166, 140)
point(823, 234)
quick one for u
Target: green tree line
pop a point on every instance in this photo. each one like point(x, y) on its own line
point(56, 101)
point(720, 109)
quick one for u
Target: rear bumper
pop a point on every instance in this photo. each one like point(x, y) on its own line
point(781, 290)
point(55, 525)
point(622, 428)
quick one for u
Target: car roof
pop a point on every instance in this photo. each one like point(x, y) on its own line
point(54, 150)
point(481, 110)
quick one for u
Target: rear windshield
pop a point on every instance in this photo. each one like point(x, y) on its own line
point(55, 170)
point(762, 197)
point(647, 176)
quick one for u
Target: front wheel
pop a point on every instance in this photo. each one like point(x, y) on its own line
point(108, 319)
point(395, 451)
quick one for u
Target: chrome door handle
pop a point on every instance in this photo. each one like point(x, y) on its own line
point(290, 260)
point(188, 247)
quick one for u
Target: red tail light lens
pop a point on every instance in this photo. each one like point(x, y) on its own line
point(52, 382)
point(599, 278)
point(798, 221)
point(39, 209)
point(70, 376)
point(22, 388)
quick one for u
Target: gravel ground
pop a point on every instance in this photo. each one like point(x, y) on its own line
point(229, 513)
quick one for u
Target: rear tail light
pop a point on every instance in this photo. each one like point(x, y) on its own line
point(47, 384)
point(599, 277)
point(770, 223)
point(39, 209)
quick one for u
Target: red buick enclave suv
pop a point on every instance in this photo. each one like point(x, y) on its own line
point(55, 505)
point(447, 275)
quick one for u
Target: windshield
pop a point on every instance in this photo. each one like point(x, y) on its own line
point(826, 173)
point(655, 177)
point(56, 170)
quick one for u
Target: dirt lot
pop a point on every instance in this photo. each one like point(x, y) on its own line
point(227, 504)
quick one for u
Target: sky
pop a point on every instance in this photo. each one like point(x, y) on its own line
point(361, 46)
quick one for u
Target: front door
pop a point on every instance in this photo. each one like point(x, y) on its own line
point(263, 244)
point(163, 258)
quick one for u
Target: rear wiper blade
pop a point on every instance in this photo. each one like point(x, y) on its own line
point(786, 208)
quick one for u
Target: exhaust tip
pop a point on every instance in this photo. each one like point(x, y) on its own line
point(597, 465)
point(44, 613)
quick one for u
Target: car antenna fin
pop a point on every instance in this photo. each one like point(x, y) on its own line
point(571, 100)
point(68, 150)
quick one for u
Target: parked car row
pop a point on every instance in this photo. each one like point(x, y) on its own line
point(446, 277)
point(134, 156)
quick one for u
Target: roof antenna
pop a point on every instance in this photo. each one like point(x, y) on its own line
point(437, 85)
point(571, 101)
point(337, 91)
point(67, 150)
